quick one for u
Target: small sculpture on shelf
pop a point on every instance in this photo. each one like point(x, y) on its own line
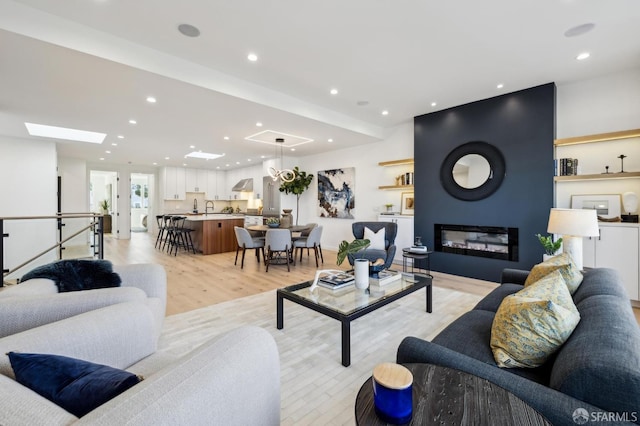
point(622, 157)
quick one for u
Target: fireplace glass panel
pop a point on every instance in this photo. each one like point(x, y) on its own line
point(482, 241)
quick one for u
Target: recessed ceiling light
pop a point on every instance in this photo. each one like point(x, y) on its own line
point(579, 30)
point(184, 164)
point(101, 158)
point(226, 165)
point(188, 30)
point(133, 122)
point(263, 156)
point(329, 140)
point(252, 57)
point(107, 152)
point(385, 112)
point(155, 164)
point(120, 137)
point(334, 91)
point(500, 86)
point(192, 146)
point(259, 124)
point(248, 159)
point(205, 155)
point(151, 99)
point(226, 138)
point(237, 162)
point(583, 56)
point(114, 144)
point(166, 158)
point(433, 104)
point(56, 132)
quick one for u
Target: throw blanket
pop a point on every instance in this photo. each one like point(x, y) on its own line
point(76, 275)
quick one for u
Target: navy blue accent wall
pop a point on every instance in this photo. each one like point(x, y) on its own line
point(522, 126)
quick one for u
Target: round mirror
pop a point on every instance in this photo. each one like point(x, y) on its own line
point(472, 171)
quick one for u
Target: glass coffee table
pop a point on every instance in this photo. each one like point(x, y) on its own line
point(350, 303)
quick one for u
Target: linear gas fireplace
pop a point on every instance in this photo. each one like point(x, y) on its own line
point(484, 241)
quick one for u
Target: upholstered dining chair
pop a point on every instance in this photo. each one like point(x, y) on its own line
point(279, 247)
point(312, 241)
point(246, 241)
point(386, 250)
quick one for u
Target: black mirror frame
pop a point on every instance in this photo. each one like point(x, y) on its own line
point(496, 175)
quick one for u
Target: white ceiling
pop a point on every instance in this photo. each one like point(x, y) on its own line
point(90, 64)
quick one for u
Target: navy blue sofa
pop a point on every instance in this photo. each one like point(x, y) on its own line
point(597, 369)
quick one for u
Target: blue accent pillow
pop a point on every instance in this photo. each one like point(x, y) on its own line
point(77, 386)
point(77, 274)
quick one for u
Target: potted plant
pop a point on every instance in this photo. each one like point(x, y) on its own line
point(297, 186)
point(550, 247)
point(389, 206)
point(104, 206)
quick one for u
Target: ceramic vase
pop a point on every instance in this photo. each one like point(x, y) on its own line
point(287, 219)
point(361, 273)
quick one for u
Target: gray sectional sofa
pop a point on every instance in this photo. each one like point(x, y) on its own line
point(232, 379)
point(597, 369)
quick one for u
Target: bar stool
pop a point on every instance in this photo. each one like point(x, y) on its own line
point(180, 236)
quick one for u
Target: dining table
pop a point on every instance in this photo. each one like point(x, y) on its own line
point(265, 228)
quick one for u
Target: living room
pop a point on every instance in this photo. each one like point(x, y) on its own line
point(591, 103)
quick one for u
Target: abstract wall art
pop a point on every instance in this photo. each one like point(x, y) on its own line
point(336, 195)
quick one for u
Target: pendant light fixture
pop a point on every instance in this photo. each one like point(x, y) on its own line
point(285, 175)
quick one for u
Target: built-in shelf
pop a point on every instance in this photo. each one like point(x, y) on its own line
point(396, 162)
point(602, 176)
point(410, 187)
point(601, 137)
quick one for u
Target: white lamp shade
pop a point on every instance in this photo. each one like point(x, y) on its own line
point(575, 222)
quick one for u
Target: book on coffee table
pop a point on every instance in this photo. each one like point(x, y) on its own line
point(336, 281)
point(385, 277)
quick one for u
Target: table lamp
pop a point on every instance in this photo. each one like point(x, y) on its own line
point(573, 224)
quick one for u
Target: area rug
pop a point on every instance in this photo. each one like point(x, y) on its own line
point(315, 388)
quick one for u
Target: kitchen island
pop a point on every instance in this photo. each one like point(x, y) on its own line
point(213, 233)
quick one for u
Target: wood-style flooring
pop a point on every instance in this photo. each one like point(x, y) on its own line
point(195, 280)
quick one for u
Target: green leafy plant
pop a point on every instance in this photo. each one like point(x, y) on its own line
point(297, 186)
point(104, 205)
point(550, 247)
point(354, 246)
point(272, 220)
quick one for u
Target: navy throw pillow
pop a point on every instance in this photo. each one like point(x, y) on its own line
point(77, 274)
point(77, 386)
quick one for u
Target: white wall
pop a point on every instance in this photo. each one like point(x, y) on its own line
point(74, 197)
point(29, 188)
point(600, 105)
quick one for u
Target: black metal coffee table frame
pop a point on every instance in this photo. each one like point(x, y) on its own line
point(345, 319)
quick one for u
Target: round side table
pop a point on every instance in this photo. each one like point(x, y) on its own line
point(444, 395)
point(419, 261)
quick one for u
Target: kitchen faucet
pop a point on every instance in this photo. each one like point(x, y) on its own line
point(206, 207)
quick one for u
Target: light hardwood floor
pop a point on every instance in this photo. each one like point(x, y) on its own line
point(195, 281)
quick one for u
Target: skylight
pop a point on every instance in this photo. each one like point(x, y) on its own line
point(64, 133)
point(205, 155)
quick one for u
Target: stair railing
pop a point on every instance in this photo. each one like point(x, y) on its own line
point(96, 226)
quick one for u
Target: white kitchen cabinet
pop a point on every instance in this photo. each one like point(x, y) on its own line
point(174, 181)
point(404, 238)
point(617, 247)
point(196, 180)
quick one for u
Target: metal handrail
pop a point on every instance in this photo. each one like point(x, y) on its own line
point(59, 217)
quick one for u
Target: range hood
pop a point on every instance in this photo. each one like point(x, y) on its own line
point(245, 185)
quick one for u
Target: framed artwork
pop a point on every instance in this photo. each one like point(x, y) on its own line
point(607, 206)
point(407, 203)
point(336, 196)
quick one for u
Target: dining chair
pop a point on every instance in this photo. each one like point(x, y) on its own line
point(247, 241)
point(279, 247)
point(312, 241)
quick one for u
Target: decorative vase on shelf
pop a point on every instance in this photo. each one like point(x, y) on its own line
point(361, 273)
point(287, 218)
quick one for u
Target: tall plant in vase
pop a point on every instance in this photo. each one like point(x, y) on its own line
point(297, 186)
